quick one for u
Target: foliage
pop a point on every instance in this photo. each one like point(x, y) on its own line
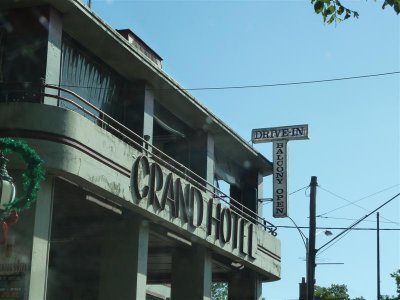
point(334, 292)
point(31, 177)
point(334, 11)
point(339, 291)
point(386, 297)
point(219, 291)
point(396, 276)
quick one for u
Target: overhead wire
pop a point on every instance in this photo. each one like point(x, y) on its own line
point(349, 219)
point(352, 203)
point(344, 232)
point(329, 246)
point(294, 83)
point(296, 191)
point(250, 86)
point(337, 228)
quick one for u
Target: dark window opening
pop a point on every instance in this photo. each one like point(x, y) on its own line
point(23, 50)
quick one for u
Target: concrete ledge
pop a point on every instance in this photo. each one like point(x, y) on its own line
point(79, 150)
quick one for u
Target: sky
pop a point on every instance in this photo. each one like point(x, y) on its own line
point(354, 124)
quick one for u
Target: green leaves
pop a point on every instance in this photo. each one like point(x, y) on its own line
point(334, 11)
point(340, 291)
point(318, 6)
point(395, 4)
point(330, 10)
point(331, 19)
point(335, 291)
point(396, 277)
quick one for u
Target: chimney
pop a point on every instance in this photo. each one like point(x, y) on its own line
point(141, 46)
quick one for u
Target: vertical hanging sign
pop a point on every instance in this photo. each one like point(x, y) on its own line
point(280, 203)
point(280, 136)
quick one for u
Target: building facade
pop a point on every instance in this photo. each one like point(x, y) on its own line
point(147, 195)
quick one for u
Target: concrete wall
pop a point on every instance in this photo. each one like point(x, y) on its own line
point(79, 150)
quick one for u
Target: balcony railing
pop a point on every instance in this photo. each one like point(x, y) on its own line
point(37, 93)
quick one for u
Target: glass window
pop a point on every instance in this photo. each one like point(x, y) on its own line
point(84, 75)
point(16, 252)
point(23, 48)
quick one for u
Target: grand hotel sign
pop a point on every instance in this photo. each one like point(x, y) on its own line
point(161, 192)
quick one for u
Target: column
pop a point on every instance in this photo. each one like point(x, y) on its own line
point(210, 172)
point(260, 194)
point(148, 116)
point(244, 285)
point(191, 273)
point(123, 273)
point(202, 155)
point(53, 63)
point(249, 191)
point(41, 241)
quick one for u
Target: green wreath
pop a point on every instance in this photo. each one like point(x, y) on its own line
point(31, 177)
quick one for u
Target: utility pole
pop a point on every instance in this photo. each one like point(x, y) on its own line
point(90, 3)
point(349, 228)
point(311, 243)
point(303, 289)
point(378, 259)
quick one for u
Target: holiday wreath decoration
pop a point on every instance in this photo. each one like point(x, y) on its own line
point(32, 177)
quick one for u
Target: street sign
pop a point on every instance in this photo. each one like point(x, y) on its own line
point(265, 135)
point(280, 203)
point(279, 136)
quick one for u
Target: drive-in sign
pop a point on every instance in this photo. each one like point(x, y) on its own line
point(265, 135)
point(280, 136)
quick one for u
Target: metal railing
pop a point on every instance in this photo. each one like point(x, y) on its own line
point(110, 124)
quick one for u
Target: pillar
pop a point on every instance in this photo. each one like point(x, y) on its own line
point(148, 117)
point(210, 173)
point(235, 193)
point(202, 155)
point(250, 186)
point(260, 194)
point(41, 240)
point(53, 63)
point(123, 273)
point(191, 273)
point(244, 285)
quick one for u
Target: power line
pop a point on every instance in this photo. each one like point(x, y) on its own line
point(323, 250)
point(349, 219)
point(345, 231)
point(339, 237)
point(269, 200)
point(250, 86)
point(337, 228)
point(352, 203)
point(351, 227)
point(304, 187)
point(263, 85)
point(293, 83)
